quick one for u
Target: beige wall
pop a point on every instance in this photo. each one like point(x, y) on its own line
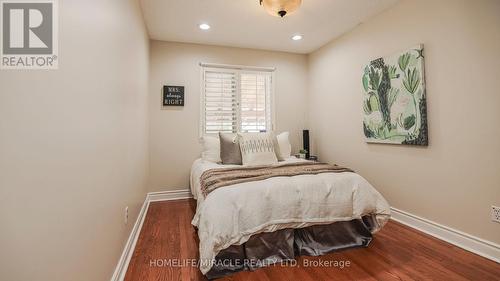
point(456, 179)
point(174, 132)
point(74, 141)
point(73, 147)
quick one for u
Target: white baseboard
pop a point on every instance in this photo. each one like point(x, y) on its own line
point(128, 251)
point(484, 248)
point(122, 266)
point(169, 195)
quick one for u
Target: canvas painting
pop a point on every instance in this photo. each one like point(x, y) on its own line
point(394, 101)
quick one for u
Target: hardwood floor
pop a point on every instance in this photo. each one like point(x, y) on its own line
point(396, 253)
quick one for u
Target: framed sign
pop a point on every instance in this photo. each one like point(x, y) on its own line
point(173, 95)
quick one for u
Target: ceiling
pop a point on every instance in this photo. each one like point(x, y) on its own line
point(244, 23)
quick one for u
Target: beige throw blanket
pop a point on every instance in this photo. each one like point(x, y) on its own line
point(214, 178)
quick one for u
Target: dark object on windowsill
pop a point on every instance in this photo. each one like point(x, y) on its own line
point(305, 143)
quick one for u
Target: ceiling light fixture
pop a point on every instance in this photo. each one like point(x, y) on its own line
point(297, 37)
point(204, 26)
point(280, 8)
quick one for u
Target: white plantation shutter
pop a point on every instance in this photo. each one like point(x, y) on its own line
point(236, 100)
point(220, 102)
point(255, 102)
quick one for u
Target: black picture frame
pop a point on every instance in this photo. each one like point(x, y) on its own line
point(173, 95)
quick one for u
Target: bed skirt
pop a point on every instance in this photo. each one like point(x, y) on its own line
point(284, 245)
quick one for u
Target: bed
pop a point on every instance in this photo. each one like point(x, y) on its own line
point(256, 223)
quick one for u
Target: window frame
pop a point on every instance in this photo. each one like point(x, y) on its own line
point(238, 70)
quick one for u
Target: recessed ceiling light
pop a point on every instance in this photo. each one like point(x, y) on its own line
point(297, 37)
point(204, 26)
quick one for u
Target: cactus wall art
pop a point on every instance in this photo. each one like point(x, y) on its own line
point(394, 99)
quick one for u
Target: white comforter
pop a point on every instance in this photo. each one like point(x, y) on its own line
point(231, 214)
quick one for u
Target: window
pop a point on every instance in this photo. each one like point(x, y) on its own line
point(236, 100)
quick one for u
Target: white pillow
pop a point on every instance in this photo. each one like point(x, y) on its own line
point(257, 149)
point(284, 150)
point(211, 149)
